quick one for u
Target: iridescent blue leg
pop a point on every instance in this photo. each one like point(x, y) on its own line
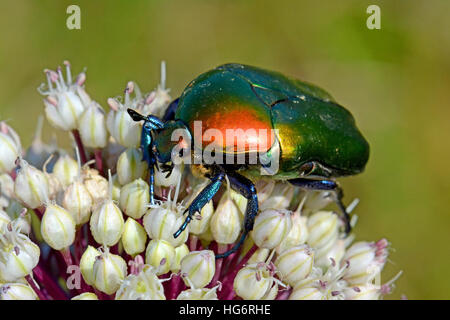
point(151, 182)
point(326, 185)
point(201, 200)
point(245, 187)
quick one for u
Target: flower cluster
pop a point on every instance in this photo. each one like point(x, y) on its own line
point(79, 225)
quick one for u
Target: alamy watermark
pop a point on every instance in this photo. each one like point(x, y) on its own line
point(73, 21)
point(234, 146)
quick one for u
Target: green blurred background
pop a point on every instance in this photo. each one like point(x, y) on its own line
point(396, 82)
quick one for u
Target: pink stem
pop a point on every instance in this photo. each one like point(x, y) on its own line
point(227, 289)
point(40, 212)
point(174, 289)
point(76, 135)
point(35, 288)
point(221, 248)
point(78, 246)
point(193, 243)
point(66, 255)
point(49, 284)
point(284, 295)
point(99, 161)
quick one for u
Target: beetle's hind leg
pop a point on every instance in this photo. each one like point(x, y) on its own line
point(201, 200)
point(245, 187)
point(326, 185)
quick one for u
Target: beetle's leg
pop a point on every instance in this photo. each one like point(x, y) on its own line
point(245, 187)
point(326, 185)
point(152, 183)
point(201, 200)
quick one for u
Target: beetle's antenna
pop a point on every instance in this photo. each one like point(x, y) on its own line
point(135, 115)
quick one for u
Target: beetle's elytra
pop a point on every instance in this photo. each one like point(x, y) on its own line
point(299, 126)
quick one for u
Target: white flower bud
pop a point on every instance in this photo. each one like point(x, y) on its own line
point(160, 254)
point(143, 286)
point(4, 220)
point(366, 291)
point(264, 188)
point(85, 296)
point(78, 201)
point(31, 185)
point(271, 228)
point(96, 185)
point(365, 261)
point(298, 234)
point(17, 291)
point(130, 166)
point(180, 253)
point(172, 179)
point(307, 293)
point(260, 255)
point(226, 222)
point(199, 294)
point(107, 223)
point(253, 282)
point(162, 222)
point(323, 227)
point(6, 185)
point(87, 264)
point(58, 227)
point(65, 101)
point(316, 201)
point(324, 255)
point(10, 148)
point(199, 268)
point(280, 197)
point(18, 254)
point(133, 237)
point(109, 271)
point(20, 216)
point(295, 264)
point(66, 170)
point(125, 130)
point(116, 188)
point(55, 188)
point(92, 126)
point(134, 198)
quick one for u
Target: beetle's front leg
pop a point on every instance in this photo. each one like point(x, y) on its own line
point(326, 185)
point(245, 187)
point(201, 200)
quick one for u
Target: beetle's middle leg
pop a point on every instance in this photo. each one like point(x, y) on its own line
point(326, 185)
point(201, 200)
point(245, 187)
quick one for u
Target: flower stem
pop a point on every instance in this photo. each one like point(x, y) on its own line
point(227, 290)
point(50, 285)
point(99, 161)
point(35, 288)
point(66, 255)
point(76, 136)
point(221, 248)
point(174, 288)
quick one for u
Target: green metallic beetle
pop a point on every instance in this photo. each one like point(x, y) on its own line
point(243, 122)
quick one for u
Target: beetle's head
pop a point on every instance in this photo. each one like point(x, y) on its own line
point(172, 141)
point(163, 139)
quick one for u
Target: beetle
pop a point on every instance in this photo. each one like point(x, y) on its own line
point(312, 138)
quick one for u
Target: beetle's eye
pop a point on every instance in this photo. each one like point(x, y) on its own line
point(307, 168)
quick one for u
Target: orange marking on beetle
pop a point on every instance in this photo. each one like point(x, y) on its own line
point(240, 130)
